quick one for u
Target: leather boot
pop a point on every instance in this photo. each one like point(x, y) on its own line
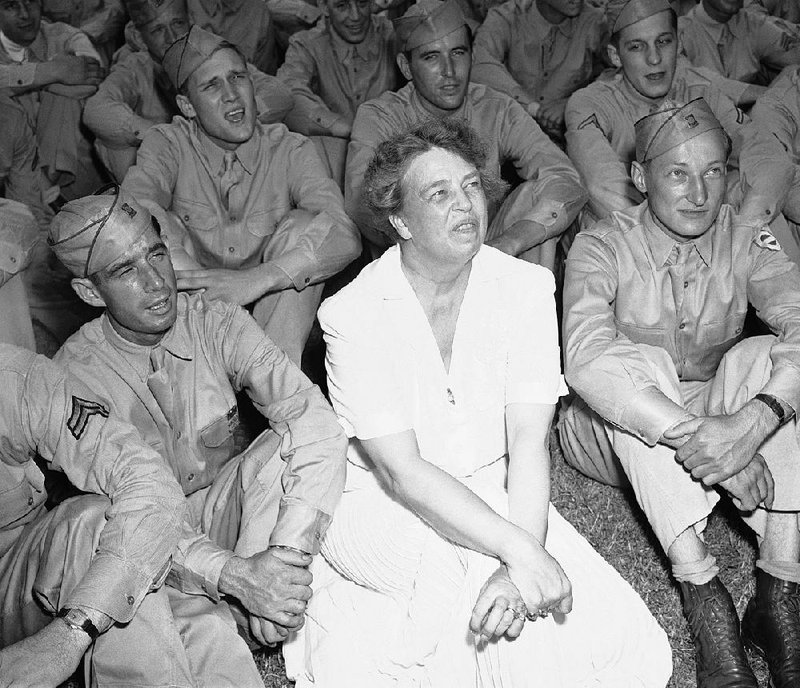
point(771, 626)
point(714, 625)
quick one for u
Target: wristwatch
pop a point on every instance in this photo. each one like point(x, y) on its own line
point(75, 618)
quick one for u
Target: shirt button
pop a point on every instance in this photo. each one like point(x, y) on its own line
point(233, 218)
point(682, 326)
point(130, 600)
point(13, 260)
point(185, 218)
point(541, 98)
point(178, 435)
point(231, 249)
point(19, 82)
point(190, 477)
point(307, 280)
point(30, 501)
point(553, 214)
point(685, 284)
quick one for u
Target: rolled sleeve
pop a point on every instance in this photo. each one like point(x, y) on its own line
point(312, 442)
point(197, 564)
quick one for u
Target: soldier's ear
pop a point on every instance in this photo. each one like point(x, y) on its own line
point(405, 67)
point(613, 56)
point(87, 292)
point(400, 226)
point(639, 176)
point(185, 106)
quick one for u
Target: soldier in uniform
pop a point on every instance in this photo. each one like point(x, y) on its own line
point(671, 401)
point(332, 69)
point(600, 118)
point(231, 186)
point(540, 53)
point(737, 42)
point(137, 93)
point(77, 577)
point(172, 364)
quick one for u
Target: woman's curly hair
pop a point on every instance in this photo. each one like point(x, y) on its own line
point(383, 188)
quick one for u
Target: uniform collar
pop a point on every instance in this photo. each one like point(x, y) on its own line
point(368, 49)
point(247, 153)
point(715, 28)
point(541, 27)
point(177, 342)
point(416, 103)
point(661, 245)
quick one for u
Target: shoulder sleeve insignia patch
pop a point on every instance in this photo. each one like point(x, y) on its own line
point(765, 239)
point(82, 410)
point(591, 121)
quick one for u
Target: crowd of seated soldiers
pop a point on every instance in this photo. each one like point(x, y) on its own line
point(245, 128)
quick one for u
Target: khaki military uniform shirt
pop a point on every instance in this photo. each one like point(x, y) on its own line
point(744, 48)
point(770, 156)
point(508, 132)
point(628, 282)
point(214, 350)
point(788, 10)
point(179, 169)
point(518, 52)
point(245, 23)
point(329, 78)
point(44, 412)
point(601, 139)
point(53, 39)
point(137, 94)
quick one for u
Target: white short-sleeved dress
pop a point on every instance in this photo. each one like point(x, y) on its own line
point(392, 598)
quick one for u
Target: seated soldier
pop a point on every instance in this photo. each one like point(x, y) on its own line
point(436, 57)
point(540, 53)
point(137, 93)
point(101, 20)
point(231, 184)
point(669, 399)
point(332, 69)
point(738, 43)
point(769, 160)
point(172, 364)
point(50, 69)
point(77, 577)
point(19, 235)
point(600, 118)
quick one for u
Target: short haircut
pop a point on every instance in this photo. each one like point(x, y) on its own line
point(614, 39)
point(383, 181)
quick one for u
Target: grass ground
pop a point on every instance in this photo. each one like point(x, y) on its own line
point(610, 519)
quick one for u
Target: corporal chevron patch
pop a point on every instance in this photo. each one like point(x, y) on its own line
point(591, 121)
point(82, 411)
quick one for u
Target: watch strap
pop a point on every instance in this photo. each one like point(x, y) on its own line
point(774, 406)
point(75, 618)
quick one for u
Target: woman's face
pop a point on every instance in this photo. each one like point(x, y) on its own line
point(444, 209)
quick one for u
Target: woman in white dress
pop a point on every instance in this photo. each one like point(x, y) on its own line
point(445, 565)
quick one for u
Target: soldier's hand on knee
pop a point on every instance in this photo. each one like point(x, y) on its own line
point(274, 584)
point(752, 486)
point(720, 446)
